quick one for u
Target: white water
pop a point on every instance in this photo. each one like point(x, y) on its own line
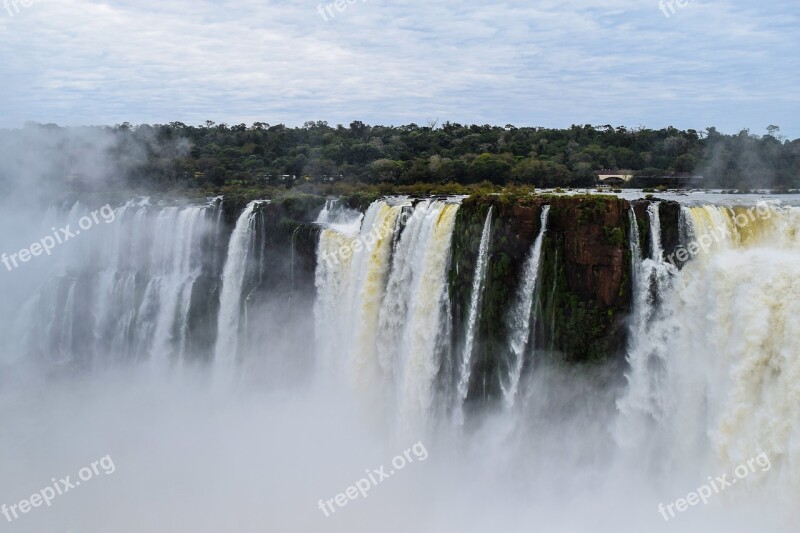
point(713, 380)
point(418, 361)
point(178, 274)
point(635, 247)
point(751, 320)
point(715, 361)
point(478, 282)
point(341, 218)
point(353, 263)
point(225, 352)
point(739, 304)
point(656, 248)
point(522, 317)
point(650, 330)
point(379, 306)
point(122, 287)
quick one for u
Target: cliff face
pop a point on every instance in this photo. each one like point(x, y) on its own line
point(669, 216)
point(285, 242)
point(587, 269)
point(279, 281)
point(594, 238)
point(583, 294)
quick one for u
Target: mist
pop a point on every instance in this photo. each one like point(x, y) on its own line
point(108, 351)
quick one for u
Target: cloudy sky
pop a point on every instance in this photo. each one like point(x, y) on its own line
point(732, 64)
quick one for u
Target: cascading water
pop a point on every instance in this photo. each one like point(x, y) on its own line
point(337, 216)
point(125, 289)
point(712, 378)
point(352, 268)
point(635, 241)
point(230, 308)
point(177, 276)
point(656, 247)
point(372, 269)
point(746, 318)
point(478, 282)
point(332, 278)
point(723, 339)
point(419, 362)
point(649, 333)
point(522, 317)
point(379, 306)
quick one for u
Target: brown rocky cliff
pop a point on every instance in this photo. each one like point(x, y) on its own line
point(584, 282)
point(593, 233)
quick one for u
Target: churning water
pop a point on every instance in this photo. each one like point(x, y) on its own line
point(139, 339)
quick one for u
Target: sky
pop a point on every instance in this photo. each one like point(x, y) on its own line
point(731, 64)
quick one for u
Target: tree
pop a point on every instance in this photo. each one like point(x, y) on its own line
point(531, 172)
point(489, 167)
point(386, 170)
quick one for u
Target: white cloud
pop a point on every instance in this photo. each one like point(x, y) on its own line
point(725, 63)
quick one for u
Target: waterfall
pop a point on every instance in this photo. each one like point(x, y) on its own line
point(352, 268)
point(635, 247)
point(339, 217)
point(65, 340)
point(230, 301)
point(418, 362)
point(714, 368)
point(130, 284)
point(478, 282)
point(711, 377)
point(740, 306)
point(717, 229)
point(380, 302)
point(372, 273)
point(522, 317)
point(325, 214)
point(649, 332)
point(178, 272)
point(656, 248)
point(331, 281)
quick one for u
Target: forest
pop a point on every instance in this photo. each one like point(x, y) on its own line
point(208, 156)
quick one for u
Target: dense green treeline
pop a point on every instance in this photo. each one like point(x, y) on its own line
point(179, 155)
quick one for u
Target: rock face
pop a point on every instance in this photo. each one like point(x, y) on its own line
point(584, 282)
point(279, 281)
point(670, 215)
point(587, 267)
point(594, 238)
point(284, 247)
point(583, 295)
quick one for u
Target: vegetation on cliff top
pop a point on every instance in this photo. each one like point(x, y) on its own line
point(212, 156)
